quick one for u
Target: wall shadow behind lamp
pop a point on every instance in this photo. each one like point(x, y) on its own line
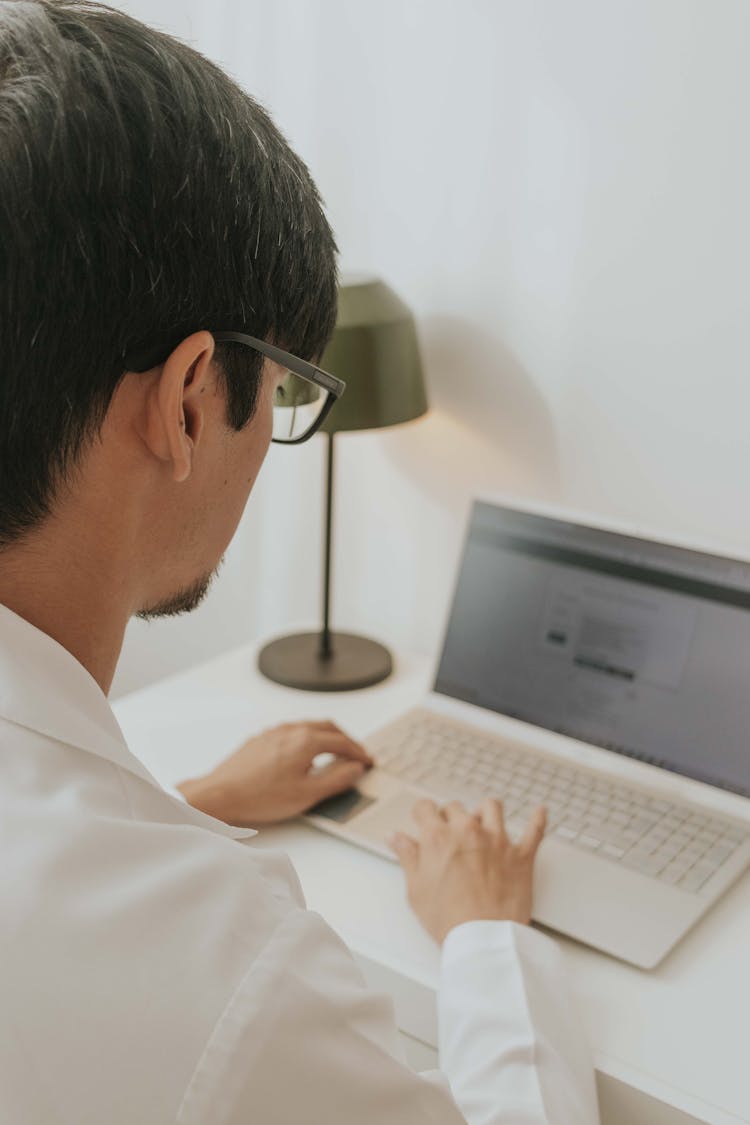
point(374, 348)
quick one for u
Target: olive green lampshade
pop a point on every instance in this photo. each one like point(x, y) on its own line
point(375, 350)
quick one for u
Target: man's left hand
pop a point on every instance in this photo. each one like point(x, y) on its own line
point(270, 778)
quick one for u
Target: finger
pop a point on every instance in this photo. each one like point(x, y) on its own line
point(338, 743)
point(455, 813)
point(534, 833)
point(316, 741)
point(336, 778)
point(326, 726)
point(426, 812)
point(406, 850)
point(492, 817)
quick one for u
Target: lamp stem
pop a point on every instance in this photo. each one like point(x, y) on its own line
point(326, 648)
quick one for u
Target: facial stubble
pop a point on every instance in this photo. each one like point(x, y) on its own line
point(183, 601)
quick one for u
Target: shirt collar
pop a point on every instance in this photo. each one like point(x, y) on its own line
point(45, 689)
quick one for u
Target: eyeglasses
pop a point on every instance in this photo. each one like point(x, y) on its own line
point(302, 401)
point(305, 396)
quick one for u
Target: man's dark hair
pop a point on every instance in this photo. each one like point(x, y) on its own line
point(143, 196)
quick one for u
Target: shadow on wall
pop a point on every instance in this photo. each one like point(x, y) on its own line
point(489, 429)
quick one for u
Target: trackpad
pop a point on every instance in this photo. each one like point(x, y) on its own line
point(342, 806)
point(384, 816)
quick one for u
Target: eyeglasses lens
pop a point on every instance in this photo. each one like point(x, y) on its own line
point(296, 408)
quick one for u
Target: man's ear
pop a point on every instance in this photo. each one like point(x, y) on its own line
point(175, 412)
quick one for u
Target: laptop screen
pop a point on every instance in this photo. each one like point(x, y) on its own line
point(634, 646)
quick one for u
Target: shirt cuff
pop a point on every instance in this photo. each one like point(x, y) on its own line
point(470, 938)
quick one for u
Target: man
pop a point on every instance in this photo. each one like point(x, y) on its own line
point(155, 969)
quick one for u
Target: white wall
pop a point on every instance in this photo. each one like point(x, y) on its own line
point(559, 189)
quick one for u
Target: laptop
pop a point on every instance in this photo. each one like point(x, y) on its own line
point(606, 676)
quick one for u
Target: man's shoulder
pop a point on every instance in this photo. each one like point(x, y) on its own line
point(96, 853)
point(126, 921)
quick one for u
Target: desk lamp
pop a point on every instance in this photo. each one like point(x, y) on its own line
point(374, 348)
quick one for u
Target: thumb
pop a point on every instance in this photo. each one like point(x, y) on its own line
point(338, 776)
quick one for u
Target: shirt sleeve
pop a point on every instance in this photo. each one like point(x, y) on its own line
point(510, 1040)
point(304, 1039)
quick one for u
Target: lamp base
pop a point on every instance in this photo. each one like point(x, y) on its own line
point(355, 662)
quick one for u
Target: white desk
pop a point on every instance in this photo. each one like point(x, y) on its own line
point(671, 1046)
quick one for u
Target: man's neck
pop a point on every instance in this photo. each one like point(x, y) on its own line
point(55, 590)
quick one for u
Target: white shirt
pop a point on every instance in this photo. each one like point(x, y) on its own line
point(154, 969)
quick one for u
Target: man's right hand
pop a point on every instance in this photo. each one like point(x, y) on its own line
point(462, 867)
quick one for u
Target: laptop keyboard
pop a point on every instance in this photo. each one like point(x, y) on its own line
point(669, 841)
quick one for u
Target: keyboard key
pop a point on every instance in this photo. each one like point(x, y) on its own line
point(610, 835)
point(696, 877)
point(554, 803)
point(645, 864)
point(674, 858)
point(412, 773)
point(718, 853)
point(641, 824)
point(669, 849)
point(671, 874)
point(566, 832)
